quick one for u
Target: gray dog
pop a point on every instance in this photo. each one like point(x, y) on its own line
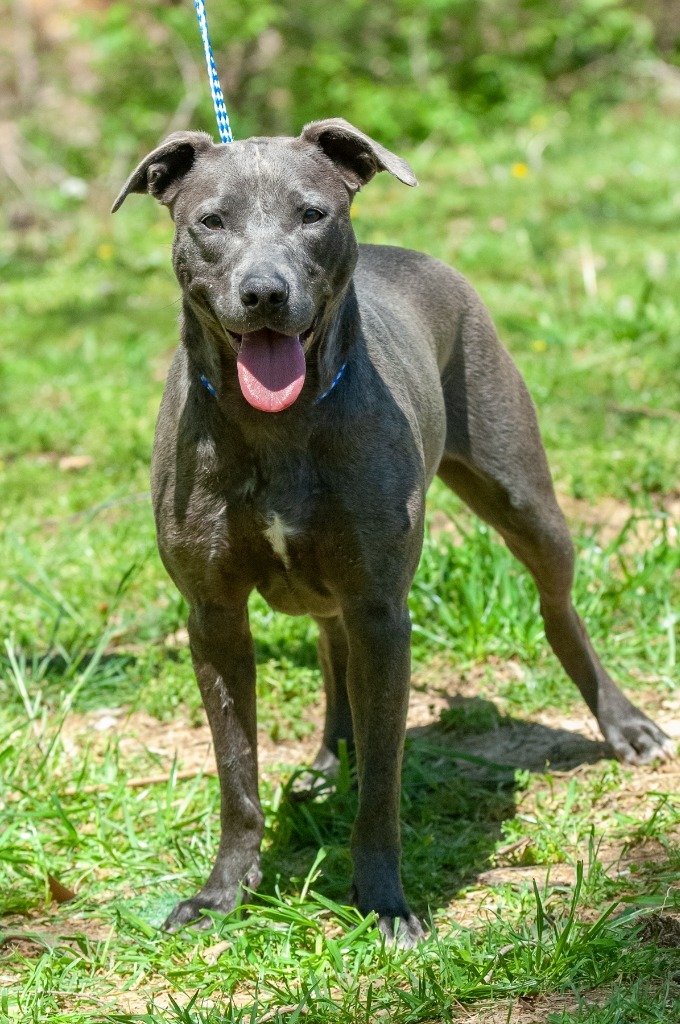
point(318, 387)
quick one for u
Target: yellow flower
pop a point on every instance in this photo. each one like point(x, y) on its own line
point(519, 170)
point(105, 251)
point(539, 345)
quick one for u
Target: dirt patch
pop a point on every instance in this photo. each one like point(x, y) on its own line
point(663, 929)
point(521, 877)
point(25, 946)
point(50, 927)
point(609, 516)
point(606, 520)
point(144, 740)
point(535, 1010)
point(550, 740)
point(122, 1002)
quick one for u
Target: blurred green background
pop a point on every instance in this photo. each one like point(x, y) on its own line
point(88, 84)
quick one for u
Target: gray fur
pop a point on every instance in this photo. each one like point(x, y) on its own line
point(320, 507)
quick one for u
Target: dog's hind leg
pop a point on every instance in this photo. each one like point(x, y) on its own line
point(494, 459)
point(333, 654)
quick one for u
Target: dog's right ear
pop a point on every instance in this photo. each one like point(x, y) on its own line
point(161, 171)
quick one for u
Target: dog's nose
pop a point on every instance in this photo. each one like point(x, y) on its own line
point(263, 291)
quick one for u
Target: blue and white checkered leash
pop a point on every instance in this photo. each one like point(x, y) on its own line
point(226, 136)
point(215, 88)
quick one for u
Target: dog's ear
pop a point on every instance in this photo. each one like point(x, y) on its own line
point(161, 171)
point(356, 156)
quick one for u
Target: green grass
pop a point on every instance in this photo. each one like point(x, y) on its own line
point(89, 322)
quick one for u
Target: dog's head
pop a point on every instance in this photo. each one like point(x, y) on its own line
point(264, 247)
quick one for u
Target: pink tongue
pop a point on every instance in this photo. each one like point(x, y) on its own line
point(271, 369)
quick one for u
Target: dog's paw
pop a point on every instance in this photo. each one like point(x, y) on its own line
point(319, 778)
point(407, 934)
point(190, 912)
point(308, 785)
point(638, 740)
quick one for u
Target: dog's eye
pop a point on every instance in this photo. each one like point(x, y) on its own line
point(213, 222)
point(311, 216)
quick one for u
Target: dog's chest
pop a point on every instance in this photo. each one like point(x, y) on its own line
point(260, 524)
point(269, 501)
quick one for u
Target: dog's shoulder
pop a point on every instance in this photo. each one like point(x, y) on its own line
point(409, 272)
point(395, 259)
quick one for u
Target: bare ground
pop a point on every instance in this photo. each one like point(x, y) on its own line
point(549, 738)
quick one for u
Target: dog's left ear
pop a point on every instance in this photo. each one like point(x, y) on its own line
point(356, 156)
point(161, 171)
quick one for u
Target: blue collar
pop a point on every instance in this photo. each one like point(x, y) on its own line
point(336, 380)
point(207, 385)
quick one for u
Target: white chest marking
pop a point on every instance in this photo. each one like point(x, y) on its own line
point(276, 534)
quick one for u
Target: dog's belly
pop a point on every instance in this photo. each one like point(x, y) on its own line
point(286, 593)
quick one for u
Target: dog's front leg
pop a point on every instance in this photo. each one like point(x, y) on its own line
point(378, 673)
point(224, 662)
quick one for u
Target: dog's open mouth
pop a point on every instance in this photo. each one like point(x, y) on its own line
point(271, 368)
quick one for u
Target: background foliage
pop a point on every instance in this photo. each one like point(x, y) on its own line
point(88, 81)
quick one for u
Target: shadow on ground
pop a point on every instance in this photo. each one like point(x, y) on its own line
point(458, 789)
